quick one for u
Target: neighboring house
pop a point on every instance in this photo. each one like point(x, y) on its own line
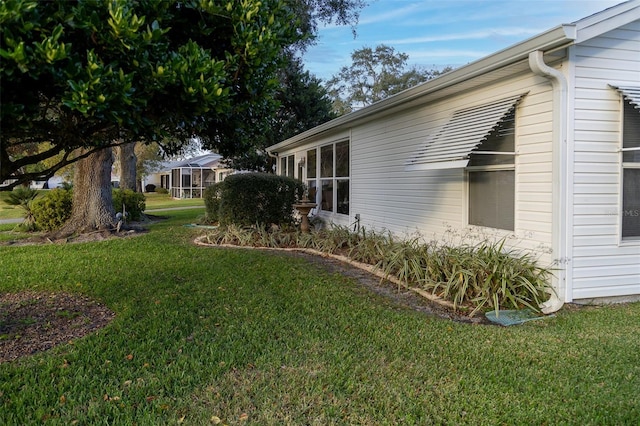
point(538, 144)
point(189, 178)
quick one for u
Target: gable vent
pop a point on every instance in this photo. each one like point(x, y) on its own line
point(450, 147)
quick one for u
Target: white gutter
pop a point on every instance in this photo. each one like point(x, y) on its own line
point(559, 164)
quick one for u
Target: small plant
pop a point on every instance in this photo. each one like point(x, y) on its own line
point(162, 190)
point(23, 197)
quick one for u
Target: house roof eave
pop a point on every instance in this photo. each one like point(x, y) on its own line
point(553, 39)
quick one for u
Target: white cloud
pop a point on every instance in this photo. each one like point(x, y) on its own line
point(475, 35)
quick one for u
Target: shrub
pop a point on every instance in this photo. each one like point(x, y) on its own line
point(150, 187)
point(212, 202)
point(134, 203)
point(488, 276)
point(253, 198)
point(162, 190)
point(53, 209)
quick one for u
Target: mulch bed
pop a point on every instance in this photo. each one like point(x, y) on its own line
point(33, 322)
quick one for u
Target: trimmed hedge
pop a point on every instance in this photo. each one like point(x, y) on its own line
point(248, 199)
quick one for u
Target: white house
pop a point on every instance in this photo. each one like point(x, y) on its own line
point(189, 178)
point(538, 143)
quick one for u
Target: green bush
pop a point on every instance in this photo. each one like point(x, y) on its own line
point(53, 209)
point(134, 203)
point(161, 190)
point(212, 202)
point(253, 198)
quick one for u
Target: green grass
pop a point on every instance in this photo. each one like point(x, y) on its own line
point(10, 212)
point(253, 337)
point(155, 201)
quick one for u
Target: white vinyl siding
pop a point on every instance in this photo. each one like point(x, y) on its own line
point(603, 263)
point(434, 202)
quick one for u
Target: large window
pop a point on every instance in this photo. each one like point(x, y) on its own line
point(491, 173)
point(328, 178)
point(630, 171)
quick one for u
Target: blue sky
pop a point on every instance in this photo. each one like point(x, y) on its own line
point(446, 32)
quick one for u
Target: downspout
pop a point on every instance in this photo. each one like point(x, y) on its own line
point(559, 189)
point(274, 155)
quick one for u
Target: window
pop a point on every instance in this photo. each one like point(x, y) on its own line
point(630, 171)
point(451, 146)
point(330, 176)
point(491, 175)
point(288, 166)
point(312, 165)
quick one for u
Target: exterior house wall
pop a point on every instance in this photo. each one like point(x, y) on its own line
point(568, 162)
point(433, 203)
point(602, 263)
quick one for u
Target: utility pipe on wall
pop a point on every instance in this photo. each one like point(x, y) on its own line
point(559, 166)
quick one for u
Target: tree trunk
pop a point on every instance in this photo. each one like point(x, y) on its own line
point(128, 161)
point(92, 201)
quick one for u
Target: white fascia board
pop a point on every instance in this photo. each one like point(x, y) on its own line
point(552, 39)
point(607, 20)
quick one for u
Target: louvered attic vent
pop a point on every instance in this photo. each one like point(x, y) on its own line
point(451, 146)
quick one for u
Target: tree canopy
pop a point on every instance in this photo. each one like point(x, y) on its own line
point(303, 103)
point(373, 75)
point(79, 76)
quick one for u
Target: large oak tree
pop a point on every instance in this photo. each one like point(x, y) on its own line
point(81, 77)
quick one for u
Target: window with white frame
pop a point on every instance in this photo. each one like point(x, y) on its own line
point(288, 166)
point(312, 165)
point(328, 177)
point(630, 171)
point(491, 176)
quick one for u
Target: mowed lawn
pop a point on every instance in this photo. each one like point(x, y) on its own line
point(220, 336)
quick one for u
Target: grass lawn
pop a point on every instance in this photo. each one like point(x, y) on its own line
point(10, 212)
point(205, 335)
point(155, 201)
